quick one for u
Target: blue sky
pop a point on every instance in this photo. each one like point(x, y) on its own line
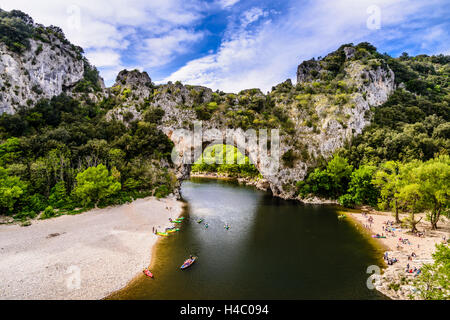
point(236, 44)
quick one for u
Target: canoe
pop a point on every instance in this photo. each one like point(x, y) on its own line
point(188, 263)
point(148, 273)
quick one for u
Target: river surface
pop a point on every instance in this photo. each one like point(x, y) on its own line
point(274, 250)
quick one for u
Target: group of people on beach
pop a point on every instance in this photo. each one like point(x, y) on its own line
point(409, 269)
point(369, 221)
point(389, 228)
point(404, 241)
point(390, 261)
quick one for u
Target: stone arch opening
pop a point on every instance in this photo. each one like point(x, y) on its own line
point(190, 145)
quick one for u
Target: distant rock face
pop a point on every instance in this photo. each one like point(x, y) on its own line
point(38, 62)
point(336, 123)
point(133, 78)
point(43, 71)
point(306, 70)
point(320, 120)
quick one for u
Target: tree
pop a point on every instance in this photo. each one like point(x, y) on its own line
point(434, 281)
point(95, 184)
point(9, 151)
point(12, 189)
point(58, 195)
point(340, 172)
point(389, 182)
point(409, 196)
point(361, 188)
point(433, 178)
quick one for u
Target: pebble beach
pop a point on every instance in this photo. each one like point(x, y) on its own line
point(82, 257)
point(408, 250)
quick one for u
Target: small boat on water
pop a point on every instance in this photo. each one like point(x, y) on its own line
point(173, 230)
point(148, 273)
point(162, 234)
point(341, 217)
point(188, 263)
point(200, 221)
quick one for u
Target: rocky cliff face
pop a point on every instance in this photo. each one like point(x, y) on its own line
point(40, 64)
point(325, 109)
point(328, 106)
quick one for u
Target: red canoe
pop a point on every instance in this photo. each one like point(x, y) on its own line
point(148, 273)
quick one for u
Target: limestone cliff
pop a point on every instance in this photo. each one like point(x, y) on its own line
point(328, 106)
point(37, 63)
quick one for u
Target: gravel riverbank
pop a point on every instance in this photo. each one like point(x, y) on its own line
point(87, 256)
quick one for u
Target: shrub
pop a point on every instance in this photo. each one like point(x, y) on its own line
point(95, 184)
point(48, 213)
point(162, 192)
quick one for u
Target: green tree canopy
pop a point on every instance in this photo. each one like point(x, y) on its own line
point(361, 188)
point(434, 281)
point(12, 190)
point(433, 180)
point(389, 182)
point(95, 184)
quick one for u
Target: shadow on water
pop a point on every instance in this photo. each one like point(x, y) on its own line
point(275, 249)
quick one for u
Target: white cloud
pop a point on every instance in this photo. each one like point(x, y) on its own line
point(227, 3)
point(270, 53)
point(260, 48)
point(252, 15)
point(107, 29)
point(161, 50)
point(104, 58)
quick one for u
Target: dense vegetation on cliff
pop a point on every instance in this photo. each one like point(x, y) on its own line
point(17, 28)
point(63, 154)
point(95, 146)
point(408, 136)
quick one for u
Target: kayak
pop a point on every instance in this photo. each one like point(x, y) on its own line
point(162, 234)
point(173, 230)
point(188, 263)
point(181, 219)
point(176, 221)
point(148, 273)
point(200, 221)
point(378, 237)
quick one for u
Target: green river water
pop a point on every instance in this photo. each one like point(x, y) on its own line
point(275, 249)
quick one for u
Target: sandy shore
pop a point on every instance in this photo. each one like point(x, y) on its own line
point(422, 247)
point(88, 256)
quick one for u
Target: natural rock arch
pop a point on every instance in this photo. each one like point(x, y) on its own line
point(264, 154)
